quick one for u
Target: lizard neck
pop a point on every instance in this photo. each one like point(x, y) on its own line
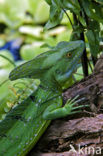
point(51, 85)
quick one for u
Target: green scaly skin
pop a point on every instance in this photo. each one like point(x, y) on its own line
point(25, 123)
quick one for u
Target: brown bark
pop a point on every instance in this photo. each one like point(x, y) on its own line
point(84, 129)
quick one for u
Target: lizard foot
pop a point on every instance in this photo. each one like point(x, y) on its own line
point(70, 105)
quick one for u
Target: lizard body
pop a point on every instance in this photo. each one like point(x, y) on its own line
point(24, 124)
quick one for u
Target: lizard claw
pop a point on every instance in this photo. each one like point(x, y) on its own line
point(70, 105)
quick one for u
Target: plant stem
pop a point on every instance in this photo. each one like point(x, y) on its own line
point(8, 60)
point(68, 18)
point(94, 59)
point(84, 59)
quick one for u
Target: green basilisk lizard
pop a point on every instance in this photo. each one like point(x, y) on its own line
point(24, 124)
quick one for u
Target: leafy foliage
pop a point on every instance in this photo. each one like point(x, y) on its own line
point(89, 15)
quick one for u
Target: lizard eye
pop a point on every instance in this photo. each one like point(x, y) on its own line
point(69, 55)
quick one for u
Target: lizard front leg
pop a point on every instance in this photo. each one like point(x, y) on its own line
point(54, 110)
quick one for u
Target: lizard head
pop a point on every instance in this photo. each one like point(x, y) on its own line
point(58, 62)
point(70, 54)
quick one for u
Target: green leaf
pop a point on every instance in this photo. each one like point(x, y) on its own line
point(39, 10)
point(93, 39)
point(56, 15)
point(99, 1)
point(72, 5)
point(93, 36)
point(49, 2)
point(12, 13)
point(76, 33)
point(30, 51)
point(82, 20)
point(93, 10)
point(4, 61)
